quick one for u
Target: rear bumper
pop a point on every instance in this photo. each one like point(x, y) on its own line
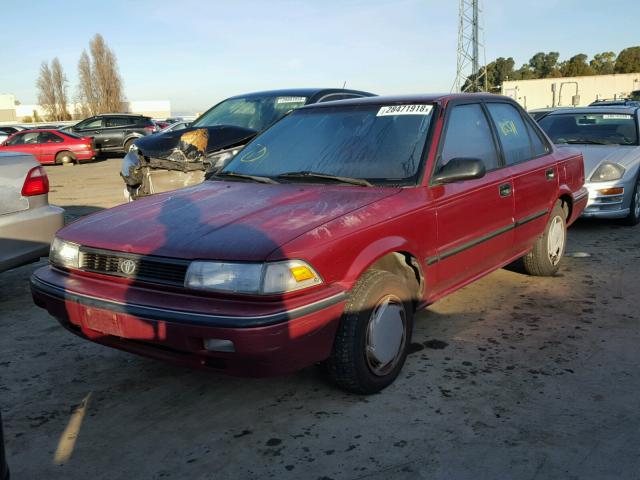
point(270, 344)
point(26, 235)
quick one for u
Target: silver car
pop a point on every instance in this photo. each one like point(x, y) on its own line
point(608, 138)
point(27, 221)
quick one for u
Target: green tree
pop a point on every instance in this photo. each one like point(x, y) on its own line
point(545, 65)
point(603, 63)
point(576, 66)
point(628, 60)
point(498, 71)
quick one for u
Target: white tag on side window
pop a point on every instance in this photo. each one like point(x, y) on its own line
point(404, 110)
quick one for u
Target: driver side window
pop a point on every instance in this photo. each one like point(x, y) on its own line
point(468, 135)
point(95, 123)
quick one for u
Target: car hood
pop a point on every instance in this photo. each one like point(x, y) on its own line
point(624, 155)
point(220, 220)
point(161, 145)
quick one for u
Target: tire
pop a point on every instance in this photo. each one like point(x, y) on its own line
point(366, 359)
point(127, 145)
point(63, 158)
point(634, 208)
point(544, 259)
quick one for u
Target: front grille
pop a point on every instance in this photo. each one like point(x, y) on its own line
point(139, 267)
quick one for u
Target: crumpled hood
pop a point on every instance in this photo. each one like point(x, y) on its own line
point(594, 154)
point(220, 220)
point(161, 145)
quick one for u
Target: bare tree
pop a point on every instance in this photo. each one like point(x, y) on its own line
point(47, 91)
point(60, 89)
point(100, 88)
point(52, 90)
point(86, 93)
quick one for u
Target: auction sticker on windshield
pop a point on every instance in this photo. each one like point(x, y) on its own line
point(291, 99)
point(404, 110)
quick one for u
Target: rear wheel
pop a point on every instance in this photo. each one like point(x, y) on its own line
point(64, 158)
point(372, 340)
point(544, 259)
point(634, 208)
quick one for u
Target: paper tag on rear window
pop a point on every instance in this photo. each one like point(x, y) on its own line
point(404, 110)
point(291, 99)
point(614, 116)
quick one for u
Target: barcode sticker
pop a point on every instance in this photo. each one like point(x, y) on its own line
point(404, 110)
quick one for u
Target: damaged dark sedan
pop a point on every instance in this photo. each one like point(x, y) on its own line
point(176, 159)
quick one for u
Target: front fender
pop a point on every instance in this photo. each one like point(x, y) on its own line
point(373, 252)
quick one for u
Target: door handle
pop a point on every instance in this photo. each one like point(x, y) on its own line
point(96, 131)
point(505, 189)
point(550, 174)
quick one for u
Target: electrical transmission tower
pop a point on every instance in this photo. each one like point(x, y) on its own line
point(470, 50)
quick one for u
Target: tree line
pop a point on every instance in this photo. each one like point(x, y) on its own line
point(548, 65)
point(99, 89)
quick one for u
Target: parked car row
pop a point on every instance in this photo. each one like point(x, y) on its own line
point(321, 237)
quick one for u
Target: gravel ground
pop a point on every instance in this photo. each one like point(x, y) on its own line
point(511, 377)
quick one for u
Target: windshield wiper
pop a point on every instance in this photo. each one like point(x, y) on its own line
point(255, 178)
point(587, 142)
point(323, 176)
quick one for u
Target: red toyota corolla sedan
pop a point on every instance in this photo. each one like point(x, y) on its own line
point(51, 146)
point(321, 238)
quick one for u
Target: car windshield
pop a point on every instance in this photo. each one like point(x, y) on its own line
point(256, 113)
point(379, 144)
point(591, 128)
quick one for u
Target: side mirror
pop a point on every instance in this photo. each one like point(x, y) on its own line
point(458, 169)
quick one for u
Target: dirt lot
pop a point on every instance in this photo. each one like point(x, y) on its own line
point(511, 378)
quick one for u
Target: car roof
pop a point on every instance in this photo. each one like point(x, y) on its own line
point(119, 115)
point(620, 109)
point(415, 98)
point(29, 130)
point(300, 92)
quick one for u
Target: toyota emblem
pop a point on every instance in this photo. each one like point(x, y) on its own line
point(127, 266)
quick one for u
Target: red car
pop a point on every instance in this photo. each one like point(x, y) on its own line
point(321, 238)
point(51, 146)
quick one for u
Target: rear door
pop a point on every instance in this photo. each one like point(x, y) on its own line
point(116, 130)
point(474, 217)
point(534, 173)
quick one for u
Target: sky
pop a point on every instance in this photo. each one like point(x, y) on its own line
point(196, 53)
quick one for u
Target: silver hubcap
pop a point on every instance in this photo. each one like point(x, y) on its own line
point(636, 201)
point(555, 241)
point(386, 335)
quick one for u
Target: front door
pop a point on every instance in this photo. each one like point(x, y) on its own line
point(474, 217)
point(94, 128)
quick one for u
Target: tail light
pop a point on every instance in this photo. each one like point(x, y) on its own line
point(36, 183)
point(151, 128)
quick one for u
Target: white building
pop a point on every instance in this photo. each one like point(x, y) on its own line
point(568, 91)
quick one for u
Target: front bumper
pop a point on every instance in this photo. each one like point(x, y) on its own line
point(278, 339)
point(606, 205)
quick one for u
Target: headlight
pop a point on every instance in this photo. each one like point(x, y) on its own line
point(251, 278)
point(64, 254)
point(221, 158)
point(607, 171)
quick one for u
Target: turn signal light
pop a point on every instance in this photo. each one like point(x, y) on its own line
point(611, 191)
point(36, 183)
point(301, 273)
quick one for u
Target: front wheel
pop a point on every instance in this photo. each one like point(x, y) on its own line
point(634, 208)
point(374, 333)
point(544, 259)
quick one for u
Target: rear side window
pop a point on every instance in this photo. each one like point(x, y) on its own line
point(48, 137)
point(119, 121)
point(468, 135)
point(539, 146)
point(512, 132)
